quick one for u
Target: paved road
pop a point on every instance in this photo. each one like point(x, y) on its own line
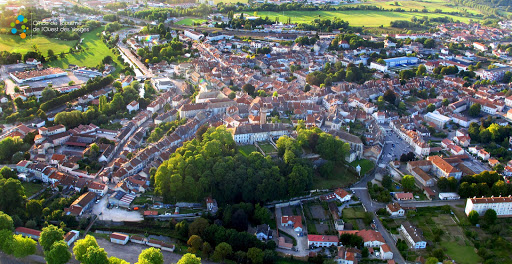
point(302, 242)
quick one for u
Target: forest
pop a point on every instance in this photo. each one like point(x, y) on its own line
point(211, 165)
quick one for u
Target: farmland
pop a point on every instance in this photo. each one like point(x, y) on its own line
point(13, 43)
point(94, 51)
point(364, 18)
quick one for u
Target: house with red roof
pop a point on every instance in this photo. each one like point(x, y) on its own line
point(293, 221)
point(346, 255)
point(28, 232)
point(342, 195)
point(385, 252)
point(119, 238)
point(404, 196)
point(322, 240)
point(71, 237)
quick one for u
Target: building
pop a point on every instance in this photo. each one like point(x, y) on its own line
point(356, 145)
point(342, 195)
point(133, 106)
point(404, 196)
point(81, 204)
point(385, 252)
point(441, 168)
point(422, 177)
point(394, 62)
point(322, 240)
point(395, 210)
point(293, 221)
point(502, 205)
point(248, 134)
point(438, 119)
point(37, 75)
point(28, 232)
point(118, 238)
point(449, 196)
point(193, 35)
point(263, 232)
point(346, 255)
point(71, 237)
point(413, 236)
point(162, 83)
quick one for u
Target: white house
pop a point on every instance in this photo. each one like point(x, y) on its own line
point(71, 237)
point(293, 221)
point(133, 106)
point(502, 205)
point(394, 209)
point(118, 238)
point(263, 232)
point(385, 252)
point(342, 195)
point(322, 240)
point(413, 236)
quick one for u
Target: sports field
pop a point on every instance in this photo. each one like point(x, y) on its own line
point(94, 51)
point(353, 17)
point(14, 43)
point(190, 21)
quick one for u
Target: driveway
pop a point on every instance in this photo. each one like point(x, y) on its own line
point(302, 242)
point(115, 214)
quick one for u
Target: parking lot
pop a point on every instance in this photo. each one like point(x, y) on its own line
point(115, 214)
point(394, 147)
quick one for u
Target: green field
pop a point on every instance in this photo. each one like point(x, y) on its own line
point(341, 177)
point(353, 213)
point(13, 43)
point(366, 165)
point(267, 148)
point(430, 5)
point(190, 21)
point(461, 254)
point(31, 188)
point(247, 149)
point(94, 51)
point(355, 18)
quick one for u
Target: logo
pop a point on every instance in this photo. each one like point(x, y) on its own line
point(19, 27)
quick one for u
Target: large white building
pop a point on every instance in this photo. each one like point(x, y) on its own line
point(248, 134)
point(502, 205)
point(438, 119)
point(413, 235)
point(193, 35)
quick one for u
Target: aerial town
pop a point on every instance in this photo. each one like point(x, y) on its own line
point(317, 131)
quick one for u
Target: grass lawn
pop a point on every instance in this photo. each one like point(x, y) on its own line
point(353, 212)
point(14, 43)
point(461, 254)
point(288, 261)
point(354, 17)
point(267, 148)
point(190, 21)
point(341, 177)
point(94, 51)
point(31, 188)
point(366, 165)
point(247, 149)
point(430, 5)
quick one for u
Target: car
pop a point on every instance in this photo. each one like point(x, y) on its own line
point(97, 201)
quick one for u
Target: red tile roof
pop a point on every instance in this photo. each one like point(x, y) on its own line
point(323, 238)
point(118, 236)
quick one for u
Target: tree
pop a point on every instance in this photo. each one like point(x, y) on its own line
point(95, 255)
point(390, 96)
point(151, 256)
point(421, 70)
point(12, 195)
point(431, 108)
point(249, 89)
point(262, 214)
point(387, 182)
point(222, 251)
point(474, 110)
point(473, 217)
point(255, 255)
point(6, 241)
point(432, 260)
point(189, 259)
point(406, 74)
point(34, 208)
point(6, 222)
point(58, 253)
point(200, 131)
point(198, 226)
point(8, 173)
point(239, 220)
point(50, 235)
point(114, 260)
point(490, 216)
point(408, 183)
point(48, 94)
point(232, 95)
point(81, 246)
point(207, 249)
point(445, 102)
point(365, 252)
point(195, 242)
point(23, 246)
